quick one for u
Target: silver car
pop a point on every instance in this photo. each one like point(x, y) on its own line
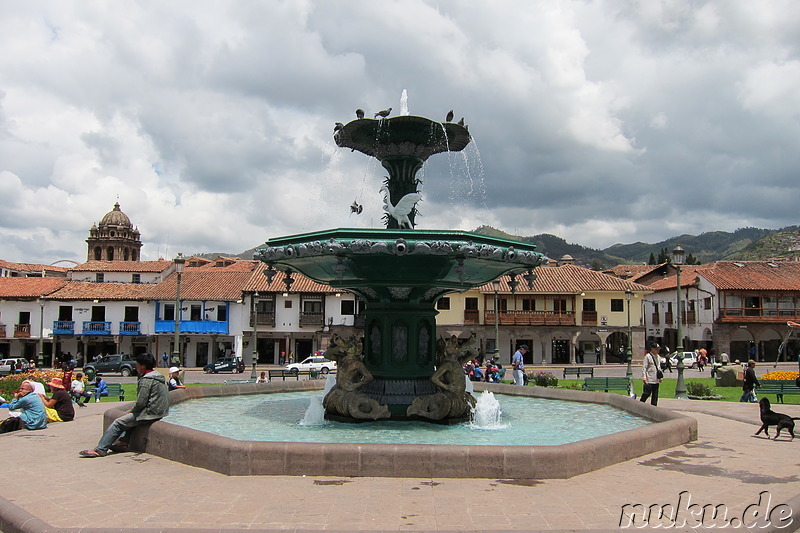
point(315, 362)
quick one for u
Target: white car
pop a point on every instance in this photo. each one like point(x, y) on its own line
point(316, 362)
point(689, 359)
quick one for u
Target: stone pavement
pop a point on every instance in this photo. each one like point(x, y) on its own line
point(48, 487)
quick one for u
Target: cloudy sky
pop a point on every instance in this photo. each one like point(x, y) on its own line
point(211, 122)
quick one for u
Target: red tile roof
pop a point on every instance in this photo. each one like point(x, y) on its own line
point(753, 275)
point(29, 288)
point(30, 267)
point(86, 290)
point(688, 279)
point(230, 265)
point(630, 271)
point(203, 284)
point(568, 279)
point(123, 266)
point(258, 283)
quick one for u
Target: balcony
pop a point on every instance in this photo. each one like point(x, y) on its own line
point(471, 316)
point(97, 328)
point(2, 331)
point(22, 331)
point(655, 319)
point(758, 314)
point(532, 318)
point(130, 328)
point(669, 318)
point(264, 319)
point(589, 318)
point(312, 319)
point(209, 327)
point(64, 327)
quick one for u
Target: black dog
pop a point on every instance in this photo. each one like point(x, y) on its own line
point(771, 418)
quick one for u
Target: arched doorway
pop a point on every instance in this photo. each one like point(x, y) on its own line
point(741, 341)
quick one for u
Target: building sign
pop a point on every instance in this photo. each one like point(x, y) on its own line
point(654, 332)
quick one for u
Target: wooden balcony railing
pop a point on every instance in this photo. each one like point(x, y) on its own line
point(264, 319)
point(655, 319)
point(312, 319)
point(22, 330)
point(668, 318)
point(471, 316)
point(2, 331)
point(532, 318)
point(589, 318)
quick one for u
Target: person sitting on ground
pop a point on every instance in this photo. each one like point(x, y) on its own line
point(59, 406)
point(262, 378)
point(78, 392)
point(32, 414)
point(174, 379)
point(100, 388)
point(152, 403)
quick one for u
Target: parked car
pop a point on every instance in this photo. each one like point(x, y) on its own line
point(121, 363)
point(689, 359)
point(226, 364)
point(14, 365)
point(315, 362)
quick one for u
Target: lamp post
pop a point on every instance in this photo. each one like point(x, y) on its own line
point(41, 334)
point(176, 349)
point(496, 285)
point(629, 351)
point(677, 259)
point(253, 375)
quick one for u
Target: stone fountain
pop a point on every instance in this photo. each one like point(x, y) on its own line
point(400, 370)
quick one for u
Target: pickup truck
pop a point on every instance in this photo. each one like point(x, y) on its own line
point(226, 364)
point(123, 364)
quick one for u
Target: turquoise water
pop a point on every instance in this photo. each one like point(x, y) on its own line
point(276, 417)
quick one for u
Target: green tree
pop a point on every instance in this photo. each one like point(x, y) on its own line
point(652, 260)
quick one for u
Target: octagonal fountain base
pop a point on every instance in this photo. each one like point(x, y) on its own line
point(242, 458)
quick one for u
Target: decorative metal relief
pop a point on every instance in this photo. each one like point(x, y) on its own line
point(399, 343)
point(424, 344)
point(400, 293)
point(375, 342)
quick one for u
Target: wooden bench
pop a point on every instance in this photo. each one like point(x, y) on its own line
point(778, 387)
point(283, 374)
point(579, 371)
point(114, 389)
point(607, 384)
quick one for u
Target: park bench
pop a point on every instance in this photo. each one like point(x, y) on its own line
point(778, 387)
point(579, 371)
point(607, 384)
point(114, 389)
point(283, 374)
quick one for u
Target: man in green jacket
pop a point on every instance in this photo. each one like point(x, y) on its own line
point(151, 404)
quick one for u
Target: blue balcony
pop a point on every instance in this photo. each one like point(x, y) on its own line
point(64, 327)
point(97, 328)
point(130, 328)
point(209, 327)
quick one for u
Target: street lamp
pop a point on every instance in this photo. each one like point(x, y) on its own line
point(255, 335)
point(496, 286)
point(176, 349)
point(629, 371)
point(677, 259)
point(41, 333)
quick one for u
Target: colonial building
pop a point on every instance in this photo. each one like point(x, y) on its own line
point(114, 238)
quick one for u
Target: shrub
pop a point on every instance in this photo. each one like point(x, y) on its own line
point(545, 379)
point(695, 388)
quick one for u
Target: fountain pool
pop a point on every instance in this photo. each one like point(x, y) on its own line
point(524, 422)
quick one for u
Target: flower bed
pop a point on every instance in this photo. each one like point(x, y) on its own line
point(781, 374)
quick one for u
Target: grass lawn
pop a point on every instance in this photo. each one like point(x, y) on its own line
point(667, 389)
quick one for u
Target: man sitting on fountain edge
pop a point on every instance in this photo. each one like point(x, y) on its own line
point(151, 404)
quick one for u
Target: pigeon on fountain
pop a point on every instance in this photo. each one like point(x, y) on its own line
point(359, 113)
point(449, 117)
point(338, 127)
point(403, 208)
point(384, 113)
point(356, 208)
point(461, 122)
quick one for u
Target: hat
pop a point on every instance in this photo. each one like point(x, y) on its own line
point(56, 382)
point(524, 347)
point(653, 344)
point(174, 369)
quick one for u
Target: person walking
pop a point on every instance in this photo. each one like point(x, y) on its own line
point(518, 365)
point(651, 374)
point(750, 383)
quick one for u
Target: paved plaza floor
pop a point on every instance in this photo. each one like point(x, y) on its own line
point(48, 487)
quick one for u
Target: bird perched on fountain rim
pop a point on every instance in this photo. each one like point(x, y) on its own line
point(449, 117)
point(359, 113)
point(403, 208)
point(384, 113)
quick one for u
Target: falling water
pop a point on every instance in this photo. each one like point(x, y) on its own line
point(487, 414)
point(404, 103)
point(470, 389)
point(315, 414)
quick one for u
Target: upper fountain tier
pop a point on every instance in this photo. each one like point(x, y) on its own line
point(405, 135)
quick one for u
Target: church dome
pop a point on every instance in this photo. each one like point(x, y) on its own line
point(116, 217)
